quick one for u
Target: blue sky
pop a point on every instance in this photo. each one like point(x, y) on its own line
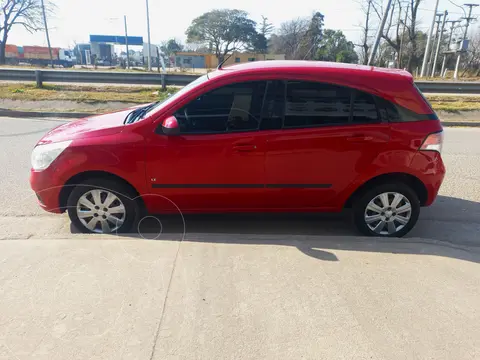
point(74, 20)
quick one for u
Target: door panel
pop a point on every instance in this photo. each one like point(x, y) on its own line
point(329, 134)
point(218, 161)
point(210, 172)
point(307, 168)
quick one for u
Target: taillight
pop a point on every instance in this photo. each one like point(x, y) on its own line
point(433, 142)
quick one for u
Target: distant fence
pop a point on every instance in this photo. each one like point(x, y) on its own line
point(112, 77)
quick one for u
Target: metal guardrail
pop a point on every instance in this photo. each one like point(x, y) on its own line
point(99, 77)
point(448, 87)
point(70, 76)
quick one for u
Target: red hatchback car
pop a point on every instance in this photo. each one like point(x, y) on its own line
point(290, 136)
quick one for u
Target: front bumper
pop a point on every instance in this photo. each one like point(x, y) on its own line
point(47, 190)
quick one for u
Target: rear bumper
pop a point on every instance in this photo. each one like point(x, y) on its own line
point(46, 189)
point(429, 165)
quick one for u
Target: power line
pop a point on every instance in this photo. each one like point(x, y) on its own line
point(450, 12)
point(451, 2)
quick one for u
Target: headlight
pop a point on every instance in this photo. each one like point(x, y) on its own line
point(44, 155)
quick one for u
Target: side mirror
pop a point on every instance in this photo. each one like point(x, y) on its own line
point(170, 126)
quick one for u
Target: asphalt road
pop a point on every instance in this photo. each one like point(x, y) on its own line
point(240, 287)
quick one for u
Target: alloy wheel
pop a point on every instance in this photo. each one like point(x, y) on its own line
point(388, 213)
point(101, 211)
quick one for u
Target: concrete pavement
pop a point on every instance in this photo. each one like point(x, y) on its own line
point(265, 297)
point(240, 287)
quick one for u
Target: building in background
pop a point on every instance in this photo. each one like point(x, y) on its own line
point(242, 57)
point(83, 54)
point(102, 50)
point(191, 59)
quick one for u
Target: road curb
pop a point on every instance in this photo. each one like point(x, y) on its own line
point(35, 114)
point(78, 115)
point(461, 123)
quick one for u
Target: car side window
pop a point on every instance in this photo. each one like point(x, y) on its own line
point(364, 108)
point(231, 108)
point(314, 104)
point(273, 110)
point(388, 111)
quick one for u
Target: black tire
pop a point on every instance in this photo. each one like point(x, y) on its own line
point(126, 195)
point(361, 202)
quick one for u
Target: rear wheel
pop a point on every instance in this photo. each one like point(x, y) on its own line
point(102, 206)
point(388, 210)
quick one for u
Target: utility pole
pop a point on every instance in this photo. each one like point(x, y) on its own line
point(148, 36)
point(429, 39)
point(126, 39)
point(432, 53)
point(401, 40)
point(453, 22)
point(439, 43)
point(46, 33)
point(468, 19)
point(380, 32)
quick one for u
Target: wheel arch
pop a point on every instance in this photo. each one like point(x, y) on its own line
point(94, 174)
point(412, 181)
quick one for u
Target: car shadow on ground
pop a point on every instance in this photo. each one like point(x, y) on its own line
point(450, 227)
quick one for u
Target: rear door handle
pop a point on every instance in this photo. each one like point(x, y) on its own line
point(360, 138)
point(245, 147)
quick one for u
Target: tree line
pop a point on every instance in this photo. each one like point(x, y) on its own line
point(402, 40)
point(222, 31)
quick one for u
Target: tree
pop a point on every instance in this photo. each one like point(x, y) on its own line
point(258, 44)
point(335, 47)
point(367, 7)
point(27, 13)
point(314, 35)
point(299, 38)
point(266, 28)
point(290, 38)
point(393, 35)
point(472, 58)
point(172, 46)
point(414, 56)
point(226, 30)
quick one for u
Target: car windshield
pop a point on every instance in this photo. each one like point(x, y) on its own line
point(176, 96)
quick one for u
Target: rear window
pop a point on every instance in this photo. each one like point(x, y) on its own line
point(423, 97)
point(394, 113)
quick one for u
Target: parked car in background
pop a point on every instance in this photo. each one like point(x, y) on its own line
point(288, 136)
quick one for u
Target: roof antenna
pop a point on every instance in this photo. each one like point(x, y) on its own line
point(219, 67)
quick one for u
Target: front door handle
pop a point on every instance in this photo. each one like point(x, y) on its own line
point(245, 147)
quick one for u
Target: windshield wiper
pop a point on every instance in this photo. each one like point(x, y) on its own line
point(136, 114)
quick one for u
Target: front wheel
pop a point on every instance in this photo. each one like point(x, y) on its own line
point(102, 206)
point(388, 210)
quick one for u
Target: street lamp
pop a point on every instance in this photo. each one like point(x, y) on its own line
point(148, 37)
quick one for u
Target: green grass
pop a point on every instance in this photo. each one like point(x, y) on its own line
point(87, 94)
point(454, 103)
point(137, 94)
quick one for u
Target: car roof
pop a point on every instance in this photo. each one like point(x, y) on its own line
point(316, 67)
point(391, 84)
